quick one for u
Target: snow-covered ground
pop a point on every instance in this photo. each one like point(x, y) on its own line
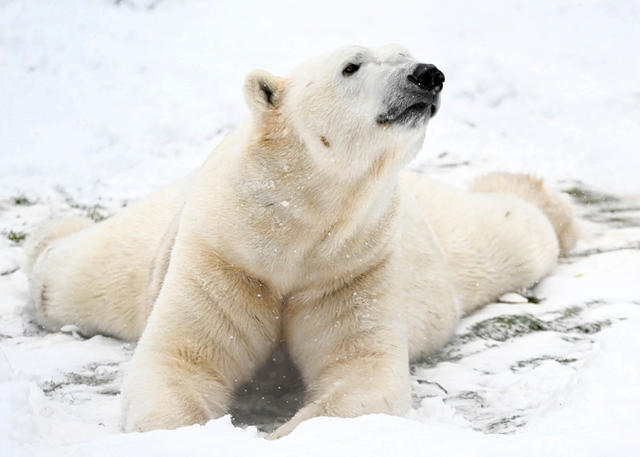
point(102, 101)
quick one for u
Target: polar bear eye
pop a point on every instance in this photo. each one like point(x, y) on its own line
point(350, 69)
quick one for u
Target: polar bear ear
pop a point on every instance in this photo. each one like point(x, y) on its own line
point(262, 91)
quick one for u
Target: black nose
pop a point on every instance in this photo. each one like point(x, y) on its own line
point(427, 77)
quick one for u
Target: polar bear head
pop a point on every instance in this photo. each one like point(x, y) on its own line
point(351, 108)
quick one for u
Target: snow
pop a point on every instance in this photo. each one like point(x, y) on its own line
point(576, 421)
point(103, 101)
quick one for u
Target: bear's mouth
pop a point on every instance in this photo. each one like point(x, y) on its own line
point(410, 115)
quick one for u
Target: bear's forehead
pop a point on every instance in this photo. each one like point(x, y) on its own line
point(378, 53)
point(355, 54)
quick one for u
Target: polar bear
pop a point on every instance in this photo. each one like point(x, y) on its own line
point(300, 229)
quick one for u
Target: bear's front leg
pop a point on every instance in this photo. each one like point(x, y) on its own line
point(211, 327)
point(351, 348)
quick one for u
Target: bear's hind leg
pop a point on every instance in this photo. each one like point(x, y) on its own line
point(49, 232)
point(556, 207)
point(495, 243)
point(41, 268)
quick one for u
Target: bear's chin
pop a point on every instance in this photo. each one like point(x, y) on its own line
point(415, 115)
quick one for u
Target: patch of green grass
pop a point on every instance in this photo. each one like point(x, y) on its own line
point(95, 213)
point(502, 328)
point(622, 210)
point(604, 217)
point(571, 311)
point(538, 360)
point(90, 379)
point(9, 272)
point(16, 237)
point(473, 396)
point(590, 197)
point(506, 424)
point(51, 386)
point(21, 200)
point(589, 328)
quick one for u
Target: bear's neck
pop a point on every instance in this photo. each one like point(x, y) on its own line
point(311, 214)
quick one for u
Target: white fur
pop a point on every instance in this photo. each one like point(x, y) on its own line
point(299, 227)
